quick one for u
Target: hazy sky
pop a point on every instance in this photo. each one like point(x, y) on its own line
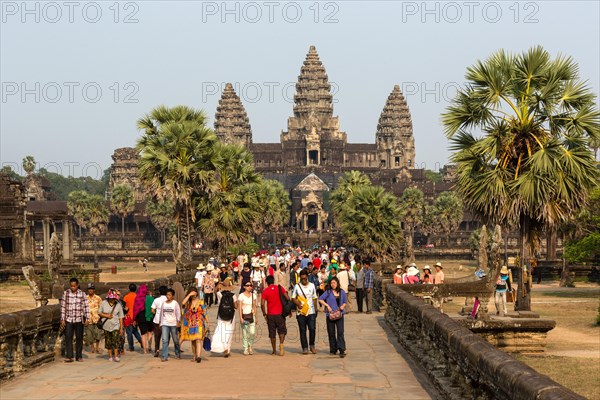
point(77, 75)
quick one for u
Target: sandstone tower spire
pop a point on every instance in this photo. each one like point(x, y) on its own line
point(394, 137)
point(313, 91)
point(313, 137)
point(231, 121)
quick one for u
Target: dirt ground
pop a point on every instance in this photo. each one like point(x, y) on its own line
point(572, 356)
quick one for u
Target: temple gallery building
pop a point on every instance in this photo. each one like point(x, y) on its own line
point(313, 153)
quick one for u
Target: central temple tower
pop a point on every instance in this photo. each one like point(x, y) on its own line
point(313, 137)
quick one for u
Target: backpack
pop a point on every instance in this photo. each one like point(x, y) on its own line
point(226, 307)
point(286, 305)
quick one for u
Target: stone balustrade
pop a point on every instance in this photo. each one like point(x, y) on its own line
point(30, 338)
point(461, 364)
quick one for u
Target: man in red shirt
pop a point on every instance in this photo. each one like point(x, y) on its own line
point(271, 297)
point(317, 262)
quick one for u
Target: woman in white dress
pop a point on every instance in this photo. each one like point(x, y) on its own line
point(223, 336)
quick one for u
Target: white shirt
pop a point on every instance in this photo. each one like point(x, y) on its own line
point(156, 304)
point(257, 276)
point(309, 291)
point(345, 277)
point(170, 313)
point(199, 277)
point(246, 303)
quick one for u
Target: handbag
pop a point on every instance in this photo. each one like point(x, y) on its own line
point(337, 314)
point(248, 318)
point(206, 342)
point(102, 321)
point(286, 305)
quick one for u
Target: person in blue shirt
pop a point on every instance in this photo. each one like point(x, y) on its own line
point(335, 302)
point(502, 286)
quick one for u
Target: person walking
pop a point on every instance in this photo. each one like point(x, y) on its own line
point(305, 297)
point(247, 308)
point(131, 328)
point(170, 320)
point(112, 315)
point(74, 312)
point(245, 276)
point(335, 301)
point(195, 322)
point(360, 286)
point(272, 300)
point(155, 309)
point(346, 277)
point(139, 315)
point(208, 286)
point(281, 276)
point(149, 323)
point(221, 340)
point(92, 334)
point(369, 282)
point(502, 286)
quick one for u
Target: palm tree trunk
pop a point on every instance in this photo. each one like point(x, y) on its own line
point(95, 253)
point(185, 236)
point(523, 290)
point(122, 226)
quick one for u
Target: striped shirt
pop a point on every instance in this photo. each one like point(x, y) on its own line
point(369, 278)
point(74, 307)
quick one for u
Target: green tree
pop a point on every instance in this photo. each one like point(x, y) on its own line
point(412, 210)
point(347, 185)
point(448, 214)
point(175, 163)
point(122, 203)
point(273, 203)
point(369, 222)
point(161, 216)
point(97, 220)
point(77, 205)
point(29, 164)
point(433, 176)
point(227, 213)
point(532, 165)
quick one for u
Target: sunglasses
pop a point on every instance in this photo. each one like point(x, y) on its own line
point(248, 285)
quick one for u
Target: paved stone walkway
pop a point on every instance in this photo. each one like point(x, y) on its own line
point(373, 369)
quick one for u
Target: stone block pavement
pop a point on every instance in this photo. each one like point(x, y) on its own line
point(375, 368)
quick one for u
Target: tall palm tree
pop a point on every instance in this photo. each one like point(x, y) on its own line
point(122, 203)
point(161, 216)
point(347, 184)
point(227, 213)
point(447, 214)
point(175, 161)
point(77, 209)
point(97, 215)
point(28, 165)
point(370, 222)
point(521, 131)
point(412, 212)
point(273, 203)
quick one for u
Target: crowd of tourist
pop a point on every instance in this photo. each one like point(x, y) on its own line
point(279, 283)
point(410, 275)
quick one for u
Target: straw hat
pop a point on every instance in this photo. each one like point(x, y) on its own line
point(439, 264)
point(504, 270)
point(427, 268)
point(210, 267)
point(412, 271)
point(201, 266)
point(398, 267)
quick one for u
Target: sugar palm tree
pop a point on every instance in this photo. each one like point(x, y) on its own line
point(28, 165)
point(122, 203)
point(175, 161)
point(521, 131)
point(97, 219)
point(273, 203)
point(161, 216)
point(226, 213)
point(77, 209)
point(447, 214)
point(369, 222)
point(411, 213)
point(347, 184)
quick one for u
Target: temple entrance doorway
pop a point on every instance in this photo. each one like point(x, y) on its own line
point(312, 221)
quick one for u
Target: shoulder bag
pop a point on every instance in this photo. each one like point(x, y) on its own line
point(102, 321)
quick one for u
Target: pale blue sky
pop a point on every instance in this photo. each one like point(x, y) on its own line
point(183, 52)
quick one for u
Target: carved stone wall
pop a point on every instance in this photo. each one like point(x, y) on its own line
point(30, 338)
point(15, 235)
point(461, 364)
